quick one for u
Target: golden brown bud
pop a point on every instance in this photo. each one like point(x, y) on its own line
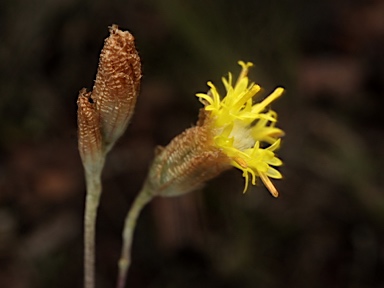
point(90, 141)
point(103, 116)
point(117, 84)
point(186, 163)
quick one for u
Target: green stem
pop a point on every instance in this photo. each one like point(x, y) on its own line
point(93, 181)
point(144, 196)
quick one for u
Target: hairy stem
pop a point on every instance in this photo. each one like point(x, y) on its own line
point(93, 181)
point(144, 196)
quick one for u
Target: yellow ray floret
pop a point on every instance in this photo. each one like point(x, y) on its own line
point(245, 130)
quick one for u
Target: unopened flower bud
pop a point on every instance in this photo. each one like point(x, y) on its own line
point(186, 163)
point(117, 84)
point(90, 141)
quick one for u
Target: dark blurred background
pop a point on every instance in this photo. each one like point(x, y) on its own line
point(325, 230)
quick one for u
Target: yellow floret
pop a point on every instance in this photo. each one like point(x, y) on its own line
point(240, 126)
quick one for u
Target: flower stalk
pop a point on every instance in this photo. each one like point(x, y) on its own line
point(144, 197)
point(94, 189)
point(232, 131)
point(103, 116)
point(93, 158)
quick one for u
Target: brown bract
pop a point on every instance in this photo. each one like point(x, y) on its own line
point(90, 141)
point(117, 84)
point(104, 113)
point(186, 163)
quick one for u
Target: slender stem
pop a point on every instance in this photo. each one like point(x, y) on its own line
point(140, 201)
point(93, 181)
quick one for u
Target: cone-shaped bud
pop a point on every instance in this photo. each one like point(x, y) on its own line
point(186, 163)
point(90, 141)
point(117, 84)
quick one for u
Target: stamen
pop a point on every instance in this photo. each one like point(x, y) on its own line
point(244, 70)
point(269, 185)
point(248, 95)
point(272, 97)
point(241, 162)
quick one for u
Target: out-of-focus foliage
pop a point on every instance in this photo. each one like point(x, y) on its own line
point(325, 229)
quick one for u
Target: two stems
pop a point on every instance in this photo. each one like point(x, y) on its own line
point(94, 188)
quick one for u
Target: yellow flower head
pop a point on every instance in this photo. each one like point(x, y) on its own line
point(245, 130)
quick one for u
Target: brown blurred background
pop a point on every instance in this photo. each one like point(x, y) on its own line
point(325, 230)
